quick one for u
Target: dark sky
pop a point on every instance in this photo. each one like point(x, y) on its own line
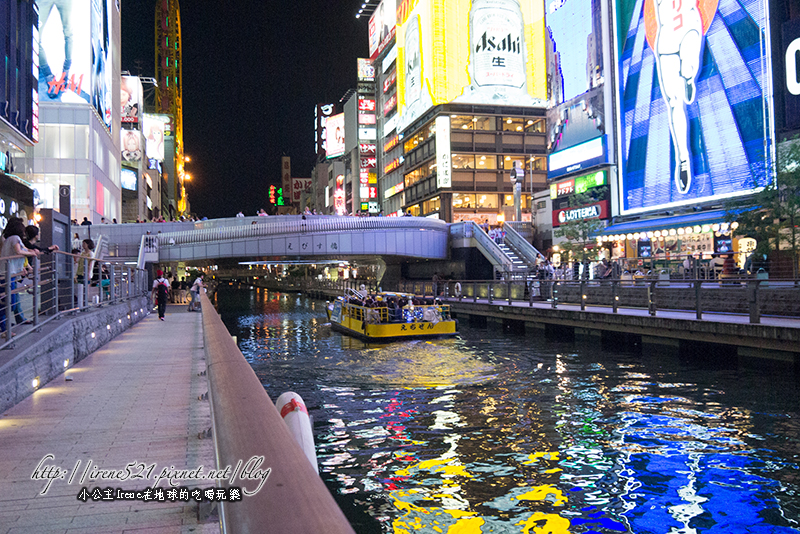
point(253, 73)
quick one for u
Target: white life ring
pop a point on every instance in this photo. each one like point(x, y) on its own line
point(458, 289)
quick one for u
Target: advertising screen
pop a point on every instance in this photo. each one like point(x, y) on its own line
point(128, 179)
point(501, 42)
point(366, 71)
point(131, 98)
point(321, 114)
point(131, 143)
point(576, 73)
point(154, 133)
point(381, 27)
point(786, 69)
point(74, 53)
point(335, 141)
point(691, 102)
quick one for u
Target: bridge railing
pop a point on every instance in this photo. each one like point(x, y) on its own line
point(270, 226)
point(747, 296)
point(249, 431)
point(490, 249)
point(57, 283)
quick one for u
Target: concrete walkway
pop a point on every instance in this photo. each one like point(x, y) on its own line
point(134, 400)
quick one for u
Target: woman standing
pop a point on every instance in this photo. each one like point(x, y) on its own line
point(12, 246)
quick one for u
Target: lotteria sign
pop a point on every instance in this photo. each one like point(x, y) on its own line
point(598, 210)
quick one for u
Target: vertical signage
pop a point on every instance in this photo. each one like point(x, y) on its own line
point(286, 173)
point(443, 169)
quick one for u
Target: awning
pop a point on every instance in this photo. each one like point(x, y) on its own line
point(665, 223)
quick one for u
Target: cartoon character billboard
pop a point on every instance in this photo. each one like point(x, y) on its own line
point(692, 101)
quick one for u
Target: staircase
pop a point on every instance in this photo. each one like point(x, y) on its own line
point(519, 267)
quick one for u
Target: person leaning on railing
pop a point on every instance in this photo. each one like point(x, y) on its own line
point(13, 246)
point(87, 251)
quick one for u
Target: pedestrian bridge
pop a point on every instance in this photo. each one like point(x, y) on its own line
point(284, 237)
point(314, 237)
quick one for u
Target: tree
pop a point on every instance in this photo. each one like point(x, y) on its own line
point(771, 215)
point(581, 232)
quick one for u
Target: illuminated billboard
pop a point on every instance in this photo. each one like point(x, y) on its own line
point(321, 115)
point(576, 90)
point(501, 43)
point(75, 53)
point(130, 99)
point(154, 133)
point(366, 71)
point(130, 141)
point(335, 141)
point(692, 107)
point(381, 27)
point(128, 179)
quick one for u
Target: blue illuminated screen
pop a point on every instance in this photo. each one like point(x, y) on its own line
point(721, 106)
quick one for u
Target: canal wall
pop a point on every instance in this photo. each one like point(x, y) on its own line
point(68, 339)
point(657, 333)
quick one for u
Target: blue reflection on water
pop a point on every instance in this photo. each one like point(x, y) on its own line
point(492, 433)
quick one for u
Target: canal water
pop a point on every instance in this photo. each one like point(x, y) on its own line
point(501, 432)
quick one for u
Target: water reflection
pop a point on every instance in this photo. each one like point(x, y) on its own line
point(486, 433)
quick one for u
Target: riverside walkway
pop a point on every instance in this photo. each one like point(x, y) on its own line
point(134, 400)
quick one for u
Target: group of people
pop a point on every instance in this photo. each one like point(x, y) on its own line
point(170, 289)
point(20, 243)
point(394, 305)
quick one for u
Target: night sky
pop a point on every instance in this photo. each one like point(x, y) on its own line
point(253, 73)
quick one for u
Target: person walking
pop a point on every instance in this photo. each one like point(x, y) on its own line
point(161, 293)
point(197, 287)
point(174, 289)
point(183, 288)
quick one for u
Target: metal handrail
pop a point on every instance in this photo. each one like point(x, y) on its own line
point(269, 226)
point(524, 249)
point(55, 290)
point(490, 249)
point(249, 429)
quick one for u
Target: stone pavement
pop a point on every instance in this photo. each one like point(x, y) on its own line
point(134, 400)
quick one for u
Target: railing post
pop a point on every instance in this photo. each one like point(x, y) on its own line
point(752, 295)
point(474, 293)
point(554, 293)
point(698, 307)
point(509, 293)
point(583, 294)
point(614, 296)
point(651, 298)
point(490, 291)
point(56, 302)
point(530, 293)
point(112, 281)
point(128, 282)
point(7, 290)
point(36, 288)
point(86, 282)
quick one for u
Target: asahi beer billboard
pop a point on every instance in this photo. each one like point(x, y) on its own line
point(692, 101)
point(75, 53)
point(501, 42)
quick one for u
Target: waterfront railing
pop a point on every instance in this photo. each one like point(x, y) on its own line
point(249, 431)
point(58, 283)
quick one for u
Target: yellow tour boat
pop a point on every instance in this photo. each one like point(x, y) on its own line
point(386, 324)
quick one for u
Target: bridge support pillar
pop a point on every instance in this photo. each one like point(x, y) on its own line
point(588, 334)
point(663, 346)
point(775, 355)
point(534, 328)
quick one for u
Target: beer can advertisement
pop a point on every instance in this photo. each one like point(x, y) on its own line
point(130, 99)
point(335, 134)
point(692, 102)
point(154, 133)
point(75, 53)
point(501, 42)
